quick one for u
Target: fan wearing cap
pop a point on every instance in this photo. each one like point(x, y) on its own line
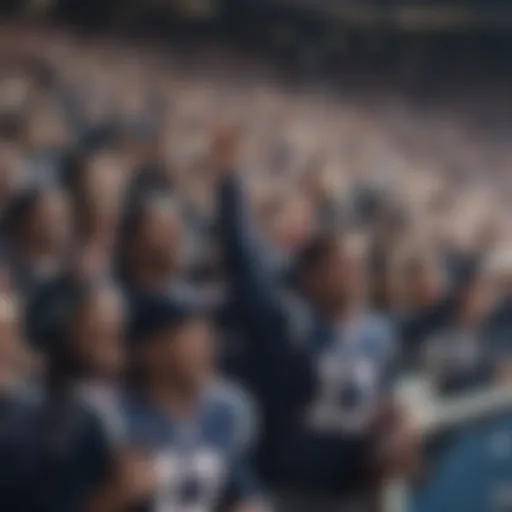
point(322, 372)
point(191, 433)
point(459, 356)
point(63, 449)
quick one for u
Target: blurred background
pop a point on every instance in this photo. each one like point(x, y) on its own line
point(389, 117)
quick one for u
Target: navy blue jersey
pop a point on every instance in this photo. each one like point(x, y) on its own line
point(352, 370)
point(459, 360)
point(418, 326)
point(201, 462)
point(499, 327)
point(15, 415)
point(318, 384)
point(54, 454)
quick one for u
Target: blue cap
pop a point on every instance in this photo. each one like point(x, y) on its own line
point(153, 313)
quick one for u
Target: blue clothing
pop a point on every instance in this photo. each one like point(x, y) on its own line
point(181, 292)
point(459, 360)
point(44, 167)
point(474, 472)
point(201, 462)
point(499, 328)
point(416, 327)
point(53, 455)
point(14, 414)
point(316, 383)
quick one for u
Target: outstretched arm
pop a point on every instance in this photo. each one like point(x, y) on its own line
point(252, 278)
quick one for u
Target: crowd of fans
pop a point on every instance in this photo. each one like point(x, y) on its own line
point(132, 184)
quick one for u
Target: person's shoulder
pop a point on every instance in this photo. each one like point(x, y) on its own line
point(98, 398)
point(103, 406)
point(298, 315)
point(235, 408)
point(230, 397)
point(20, 404)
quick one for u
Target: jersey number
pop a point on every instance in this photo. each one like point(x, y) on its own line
point(345, 393)
point(188, 483)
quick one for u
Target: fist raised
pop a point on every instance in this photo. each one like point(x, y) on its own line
point(224, 149)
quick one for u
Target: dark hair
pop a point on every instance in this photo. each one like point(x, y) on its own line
point(469, 273)
point(72, 167)
point(20, 208)
point(102, 137)
point(47, 320)
point(137, 206)
point(134, 213)
point(148, 179)
point(51, 306)
point(132, 216)
point(12, 125)
point(313, 253)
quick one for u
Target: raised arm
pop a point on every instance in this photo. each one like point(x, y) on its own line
point(252, 279)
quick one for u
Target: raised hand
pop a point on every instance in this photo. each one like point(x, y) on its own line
point(225, 149)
